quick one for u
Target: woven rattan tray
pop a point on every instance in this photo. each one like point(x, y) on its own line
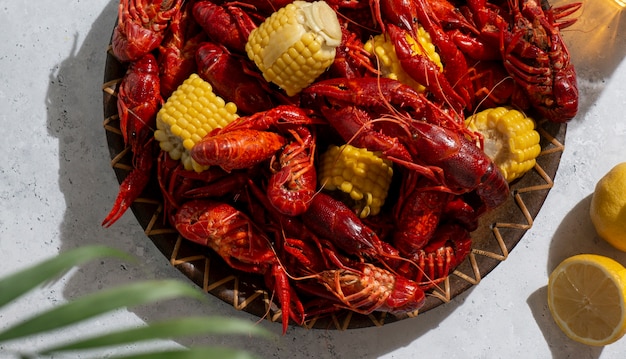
point(497, 235)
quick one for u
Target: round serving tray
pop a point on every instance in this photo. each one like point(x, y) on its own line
point(497, 235)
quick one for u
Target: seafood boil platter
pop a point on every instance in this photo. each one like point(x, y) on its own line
point(336, 164)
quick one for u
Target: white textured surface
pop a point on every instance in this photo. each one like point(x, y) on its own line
point(56, 186)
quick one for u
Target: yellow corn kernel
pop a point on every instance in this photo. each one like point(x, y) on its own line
point(295, 44)
point(189, 114)
point(384, 50)
point(510, 139)
point(360, 173)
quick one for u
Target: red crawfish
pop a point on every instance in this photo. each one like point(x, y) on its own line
point(466, 167)
point(332, 220)
point(138, 100)
point(141, 26)
point(425, 71)
point(454, 87)
point(246, 142)
point(333, 277)
point(351, 59)
point(232, 79)
point(178, 185)
point(532, 50)
point(418, 213)
point(365, 289)
point(436, 143)
point(235, 238)
point(237, 149)
point(177, 51)
point(303, 248)
point(293, 184)
point(227, 23)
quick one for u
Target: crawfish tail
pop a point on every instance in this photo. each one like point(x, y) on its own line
point(237, 149)
point(138, 101)
point(290, 304)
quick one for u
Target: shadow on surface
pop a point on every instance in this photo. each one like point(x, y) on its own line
point(89, 186)
point(575, 235)
point(561, 346)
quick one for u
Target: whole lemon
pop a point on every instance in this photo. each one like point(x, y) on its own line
point(608, 207)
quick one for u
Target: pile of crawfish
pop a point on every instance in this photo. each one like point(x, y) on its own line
point(270, 217)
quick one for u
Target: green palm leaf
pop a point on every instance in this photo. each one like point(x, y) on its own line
point(21, 282)
point(193, 353)
point(99, 303)
point(129, 295)
point(168, 329)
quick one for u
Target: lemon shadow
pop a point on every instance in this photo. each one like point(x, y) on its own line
point(574, 235)
point(560, 345)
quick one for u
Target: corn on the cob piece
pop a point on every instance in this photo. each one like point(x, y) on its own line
point(510, 139)
point(189, 114)
point(358, 172)
point(383, 48)
point(296, 44)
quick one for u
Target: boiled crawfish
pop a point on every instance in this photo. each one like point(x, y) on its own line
point(435, 143)
point(365, 289)
point(177, 52)
point(141, 26)
point(138, 100)
point(532, 50)
point(259, 206)
point(292, 185)
point(232, 235)
point(228, 23)
point(231, 80)
point(331, 275)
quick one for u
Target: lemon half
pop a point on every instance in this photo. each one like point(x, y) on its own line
point(586, 297)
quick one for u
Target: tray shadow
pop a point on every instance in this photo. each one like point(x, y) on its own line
point(575, 235)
